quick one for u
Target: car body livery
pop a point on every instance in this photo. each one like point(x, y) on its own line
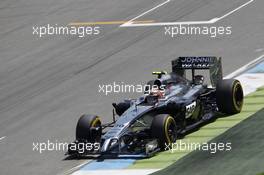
point(171, 106)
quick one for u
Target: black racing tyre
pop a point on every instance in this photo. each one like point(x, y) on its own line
point(229, 96)
point(164, 129)
point(89, 128)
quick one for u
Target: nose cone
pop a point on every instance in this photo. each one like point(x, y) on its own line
point(109, 144)
point(104, 147)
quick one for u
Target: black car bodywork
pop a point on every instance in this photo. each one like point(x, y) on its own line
point(154, 121)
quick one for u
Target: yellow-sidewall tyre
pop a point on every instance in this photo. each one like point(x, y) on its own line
point(84, 128)
point(229, 96)
point(164, 129)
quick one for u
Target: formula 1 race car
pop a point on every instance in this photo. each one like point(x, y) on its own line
point(171, 106)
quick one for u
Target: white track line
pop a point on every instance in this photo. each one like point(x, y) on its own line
point(142, 14)
point(233, 11)
point(212, 21)
point(2, 138)
point(244, 68)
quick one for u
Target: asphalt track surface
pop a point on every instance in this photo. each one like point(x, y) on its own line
point(47, 83)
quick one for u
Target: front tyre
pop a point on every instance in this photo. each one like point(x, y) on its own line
point(229, 96)
point(164, 129)
point(89, 128)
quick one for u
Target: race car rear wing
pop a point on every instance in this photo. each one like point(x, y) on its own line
point(214, 64)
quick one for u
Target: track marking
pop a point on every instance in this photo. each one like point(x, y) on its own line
point(211, 21)
point(233, 11)
point(244, 68)
point(2, 138)
point(142, 14)
point(105, 23)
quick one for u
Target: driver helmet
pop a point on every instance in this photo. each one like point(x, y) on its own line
point(198, 79)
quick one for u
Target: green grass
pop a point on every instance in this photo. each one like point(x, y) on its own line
point(253, 103)
point(246, 156)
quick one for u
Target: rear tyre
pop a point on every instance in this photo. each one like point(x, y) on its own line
point(164, 129)
point(89, 128)
point(229, 96)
